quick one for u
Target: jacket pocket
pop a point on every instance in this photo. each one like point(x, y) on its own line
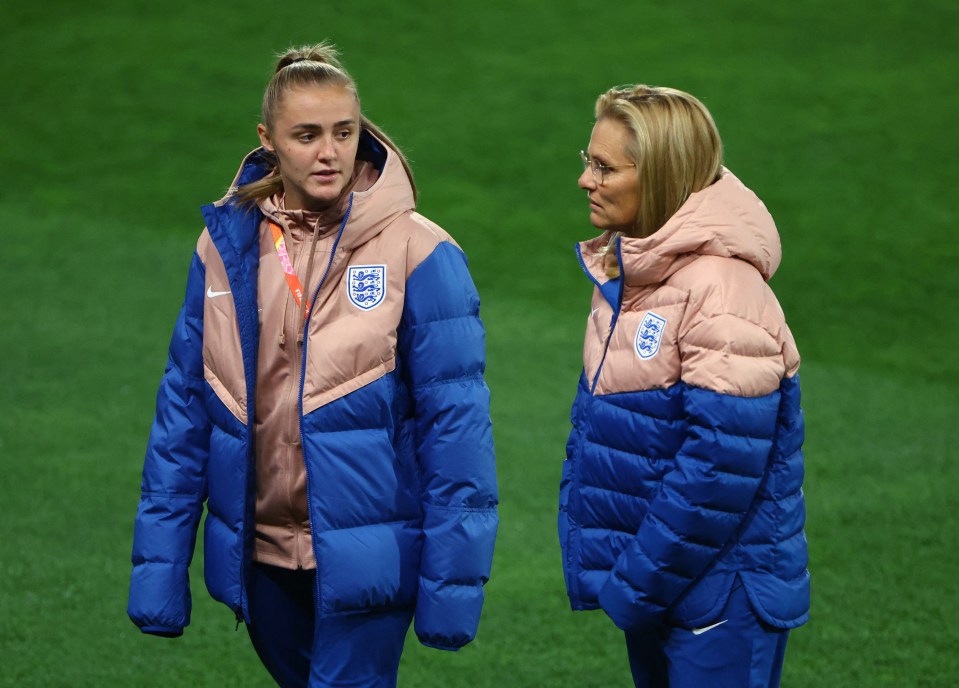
point(704, 601)
point(372, 567)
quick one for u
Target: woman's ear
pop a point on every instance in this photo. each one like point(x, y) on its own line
point(264, 135)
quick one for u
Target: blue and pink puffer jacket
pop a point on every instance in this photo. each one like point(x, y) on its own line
point(684, 465)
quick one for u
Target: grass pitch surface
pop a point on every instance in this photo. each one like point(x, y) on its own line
point(120, 119)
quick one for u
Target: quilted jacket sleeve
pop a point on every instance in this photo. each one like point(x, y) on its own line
point(443, 343)
point(732, 370)
point(173, 488)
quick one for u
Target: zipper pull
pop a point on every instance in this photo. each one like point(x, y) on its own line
point(282, 338)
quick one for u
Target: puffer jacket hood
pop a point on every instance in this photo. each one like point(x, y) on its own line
point(725, 219)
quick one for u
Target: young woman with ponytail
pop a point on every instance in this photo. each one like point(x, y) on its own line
point(681, 505)
point(324, 398)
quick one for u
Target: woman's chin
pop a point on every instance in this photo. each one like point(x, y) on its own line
point(597, 220)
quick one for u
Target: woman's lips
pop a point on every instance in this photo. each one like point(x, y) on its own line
point(325, 175)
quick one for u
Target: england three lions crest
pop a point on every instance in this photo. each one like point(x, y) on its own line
point(649, 335)
point(366, 285)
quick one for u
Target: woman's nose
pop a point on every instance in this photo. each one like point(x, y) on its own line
point(327, 150)
point(586, 180)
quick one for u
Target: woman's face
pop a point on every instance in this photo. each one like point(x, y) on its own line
point(613, 204)
point(315, 134)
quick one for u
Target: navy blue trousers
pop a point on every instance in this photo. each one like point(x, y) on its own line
point(736, 651)
point(300, 650)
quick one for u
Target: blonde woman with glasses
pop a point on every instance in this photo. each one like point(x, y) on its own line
point(681, 508)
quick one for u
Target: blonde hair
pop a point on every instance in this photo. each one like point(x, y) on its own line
point(310, 65)
point(675, 145)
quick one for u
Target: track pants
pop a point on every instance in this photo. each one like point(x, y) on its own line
point(300, 650)
point(737, 651)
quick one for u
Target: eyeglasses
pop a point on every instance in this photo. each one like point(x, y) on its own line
point(599, 170)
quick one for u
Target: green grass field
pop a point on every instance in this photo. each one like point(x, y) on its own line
point(121, 118)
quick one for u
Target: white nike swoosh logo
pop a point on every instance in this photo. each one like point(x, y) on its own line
point(700, 631)
point(213, 294)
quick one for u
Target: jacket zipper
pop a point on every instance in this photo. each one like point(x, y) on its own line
point(306, 328)
point(609, 337)
point(292, 396)
point(612, 321)
point(573, 507)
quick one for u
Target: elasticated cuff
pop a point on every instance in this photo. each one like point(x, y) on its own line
point(163, 631)
point(445, 648)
